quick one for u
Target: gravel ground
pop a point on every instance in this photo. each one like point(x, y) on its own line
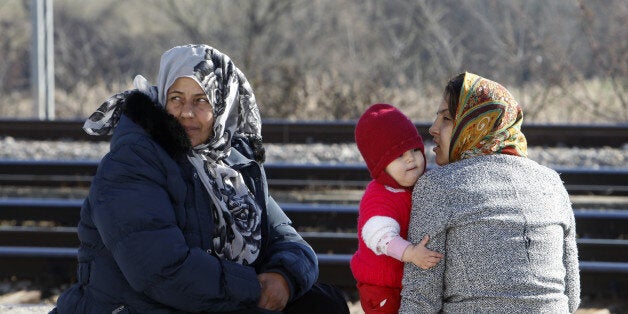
point(313, 153)
point(354, 308)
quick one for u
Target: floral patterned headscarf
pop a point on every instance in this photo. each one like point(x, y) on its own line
point(237, 216)
point(487, 121)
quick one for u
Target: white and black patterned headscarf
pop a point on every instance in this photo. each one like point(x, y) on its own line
point(237, 236)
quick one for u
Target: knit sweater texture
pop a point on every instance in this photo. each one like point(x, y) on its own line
point(367, 267)
point(507, 229)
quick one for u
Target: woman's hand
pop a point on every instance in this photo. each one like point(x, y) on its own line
point(275, 291)
point(421, 256)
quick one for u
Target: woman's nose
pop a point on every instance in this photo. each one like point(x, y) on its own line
point(432, 129)
point(187, 110)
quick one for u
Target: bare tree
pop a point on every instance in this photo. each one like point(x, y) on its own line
point(329, 59)
point(14, 68)
point(611, 55)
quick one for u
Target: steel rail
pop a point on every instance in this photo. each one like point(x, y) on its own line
point(283, 131)
point(608, 250)
point(56, 173)
point(590, 223)
point(54, 265)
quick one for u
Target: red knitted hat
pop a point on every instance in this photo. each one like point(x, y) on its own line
point(382, 134)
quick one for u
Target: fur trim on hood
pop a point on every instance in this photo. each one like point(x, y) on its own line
point(158, 123)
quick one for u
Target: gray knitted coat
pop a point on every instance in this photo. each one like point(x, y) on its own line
point(507, 230)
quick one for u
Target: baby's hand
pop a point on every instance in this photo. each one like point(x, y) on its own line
point(419, 255)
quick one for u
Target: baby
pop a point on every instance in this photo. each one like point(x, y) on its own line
point(394, 154)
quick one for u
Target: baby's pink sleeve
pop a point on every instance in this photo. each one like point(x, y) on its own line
point(396, 247)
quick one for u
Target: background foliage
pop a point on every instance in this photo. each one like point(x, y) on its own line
point(565, 60)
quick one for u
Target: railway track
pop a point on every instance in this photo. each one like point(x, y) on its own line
point(48, 254)
point(594, 244)
point(40, 240)
point(281, 131)
point(54, 173)
point(599, 279)
point(325, 242)
point(590, 222)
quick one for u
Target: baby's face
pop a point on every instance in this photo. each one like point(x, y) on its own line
point(407, 168)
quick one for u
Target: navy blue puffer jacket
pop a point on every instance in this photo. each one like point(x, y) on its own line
point(146, 229)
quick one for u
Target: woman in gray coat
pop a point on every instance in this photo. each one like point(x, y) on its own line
point(504, 222)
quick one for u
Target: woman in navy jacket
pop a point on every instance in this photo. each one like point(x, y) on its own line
point(178, 217)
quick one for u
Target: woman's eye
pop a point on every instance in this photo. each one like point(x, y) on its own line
point(204, 104)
